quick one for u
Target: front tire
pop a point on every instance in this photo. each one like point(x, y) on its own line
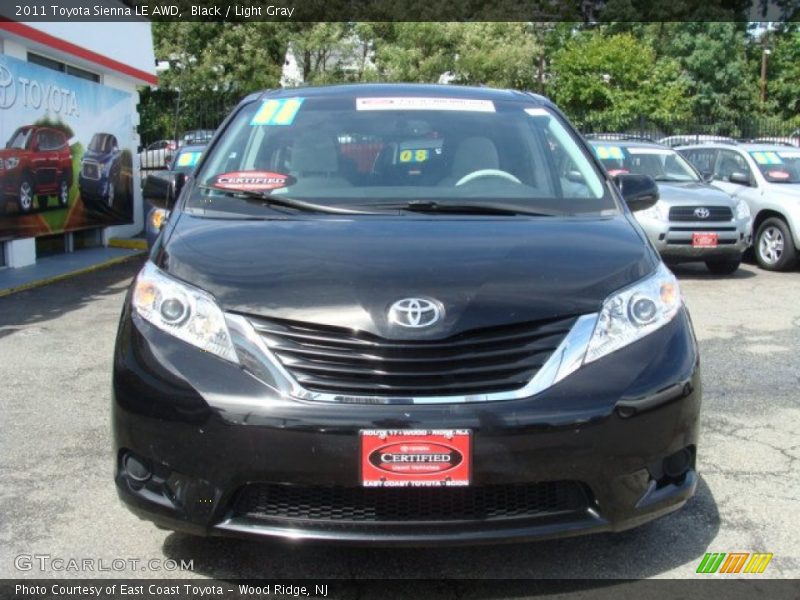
point(25, 195)
point(727, 266)
point(774, 246)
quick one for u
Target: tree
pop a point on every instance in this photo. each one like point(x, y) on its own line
point(607, 82)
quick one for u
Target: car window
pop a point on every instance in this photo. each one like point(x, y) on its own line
point(20, 139)
point(662, 164)
point(43, 142)
point(778, 165)
point(373, 150)
point(703, 159)
point(729, 162)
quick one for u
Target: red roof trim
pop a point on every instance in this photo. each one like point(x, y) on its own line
point(35, 35)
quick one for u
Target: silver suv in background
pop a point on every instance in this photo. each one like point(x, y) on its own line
point(767, 177)
point(692, 221)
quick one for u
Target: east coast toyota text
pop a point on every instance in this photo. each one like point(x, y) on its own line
point(403, 314)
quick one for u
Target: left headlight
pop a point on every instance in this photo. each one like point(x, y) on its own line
point(181, 310)
point(742, 210)
point(658, 212)
point(634, 312)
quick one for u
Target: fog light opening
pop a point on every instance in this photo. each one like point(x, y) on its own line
point(676, 465)
point(135, 468)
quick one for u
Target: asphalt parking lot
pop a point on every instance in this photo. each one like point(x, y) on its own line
point(57, 497)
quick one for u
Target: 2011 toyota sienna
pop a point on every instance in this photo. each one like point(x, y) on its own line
point(403, 314)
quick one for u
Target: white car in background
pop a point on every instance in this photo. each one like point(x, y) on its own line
point(157, 155)
point(693, 138)
point(767, 177)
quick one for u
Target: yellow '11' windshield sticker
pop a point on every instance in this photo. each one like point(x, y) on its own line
point(277, 112)
point(767, 158)
point(604, 152)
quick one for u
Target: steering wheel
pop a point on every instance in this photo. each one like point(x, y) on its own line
point(481, 173)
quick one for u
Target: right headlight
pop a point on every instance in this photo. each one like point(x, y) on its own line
point(634, 312)
point(183, 311)
point(658, 211)
point(11, 163)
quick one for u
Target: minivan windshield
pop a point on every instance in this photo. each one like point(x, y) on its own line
point(662, 164)
point(102, 142)
point(778, 166)
point(388, 152)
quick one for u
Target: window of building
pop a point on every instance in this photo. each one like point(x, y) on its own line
point(49, 63)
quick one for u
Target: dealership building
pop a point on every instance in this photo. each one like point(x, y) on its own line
point(69, 168)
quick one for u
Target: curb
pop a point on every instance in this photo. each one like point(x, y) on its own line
point(48, 280)
point(129, 243)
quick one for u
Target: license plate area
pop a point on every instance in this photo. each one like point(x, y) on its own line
point(704, 240)
point(416, 458)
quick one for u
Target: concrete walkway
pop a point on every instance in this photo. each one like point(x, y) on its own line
point(53, 268)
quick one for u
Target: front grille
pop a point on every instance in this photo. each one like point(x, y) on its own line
point(356, 504)
point(686, 213)
point(90, 170)
point(337, 360)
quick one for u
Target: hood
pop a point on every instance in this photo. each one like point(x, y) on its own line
point(348, 272)
point(692, 193)
point(11, 152)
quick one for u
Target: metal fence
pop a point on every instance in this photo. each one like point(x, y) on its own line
point(168, 121)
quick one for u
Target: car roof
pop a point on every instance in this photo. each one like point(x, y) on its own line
point(403, 89)
point(629, 144)
point(747, 147)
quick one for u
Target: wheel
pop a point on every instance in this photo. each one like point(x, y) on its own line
point(725, 266)
point(63, 192)
point(25, 196)
point(774, 246)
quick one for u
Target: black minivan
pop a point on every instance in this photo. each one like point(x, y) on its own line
point(403, 314)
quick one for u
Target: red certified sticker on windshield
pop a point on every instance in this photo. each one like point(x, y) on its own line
point(256, 181)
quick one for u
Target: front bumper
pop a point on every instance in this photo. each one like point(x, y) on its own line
point(673, 240)
point(93, 188)
point(209, 430)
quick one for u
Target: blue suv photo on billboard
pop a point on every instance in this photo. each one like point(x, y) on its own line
point(100, 171)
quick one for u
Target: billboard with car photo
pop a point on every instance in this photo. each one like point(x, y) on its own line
point(66, 159)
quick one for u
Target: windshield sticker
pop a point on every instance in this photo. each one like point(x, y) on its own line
point(252, 181)
point(775, 174)
point(767, 158)
point(277, 112)
point(414, 156)
point(660, 151)
point(606, 152)
point(188, 159)
point(462, 104)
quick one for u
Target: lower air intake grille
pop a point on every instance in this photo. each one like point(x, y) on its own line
point(344, 504)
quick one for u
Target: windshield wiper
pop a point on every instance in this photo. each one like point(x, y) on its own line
point(471, 208)
point(284, 201)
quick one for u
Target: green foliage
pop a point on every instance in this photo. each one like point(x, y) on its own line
point(608, 81)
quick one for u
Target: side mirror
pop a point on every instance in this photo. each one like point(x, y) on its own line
point(639, 191)
point(162, 188)
point(739, 177)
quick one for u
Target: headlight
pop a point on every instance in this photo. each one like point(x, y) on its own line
point(158, 217)
point(632, 313)
point(181, 310)
point(658, 211)
point(11, 163)
point(742, 210)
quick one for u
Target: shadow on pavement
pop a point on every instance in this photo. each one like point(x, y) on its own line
point(699, 271)
point(52, 301)
point(670, 542)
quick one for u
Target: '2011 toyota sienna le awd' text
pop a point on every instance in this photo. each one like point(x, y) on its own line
point(403, 314)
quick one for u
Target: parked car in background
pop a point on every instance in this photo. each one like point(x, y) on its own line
point(692, 221)
point(36, 162)
point(183, 162)
point(456, 342)
point(99, 175)
point(157, 155)
point(196, 137)
point(767, 177)
point(693, 138)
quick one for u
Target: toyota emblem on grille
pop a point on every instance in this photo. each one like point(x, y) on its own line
point(702, 212)
point(415, 312)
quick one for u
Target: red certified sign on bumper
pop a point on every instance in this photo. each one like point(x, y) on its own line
point(705, 240)
point(415, 458)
